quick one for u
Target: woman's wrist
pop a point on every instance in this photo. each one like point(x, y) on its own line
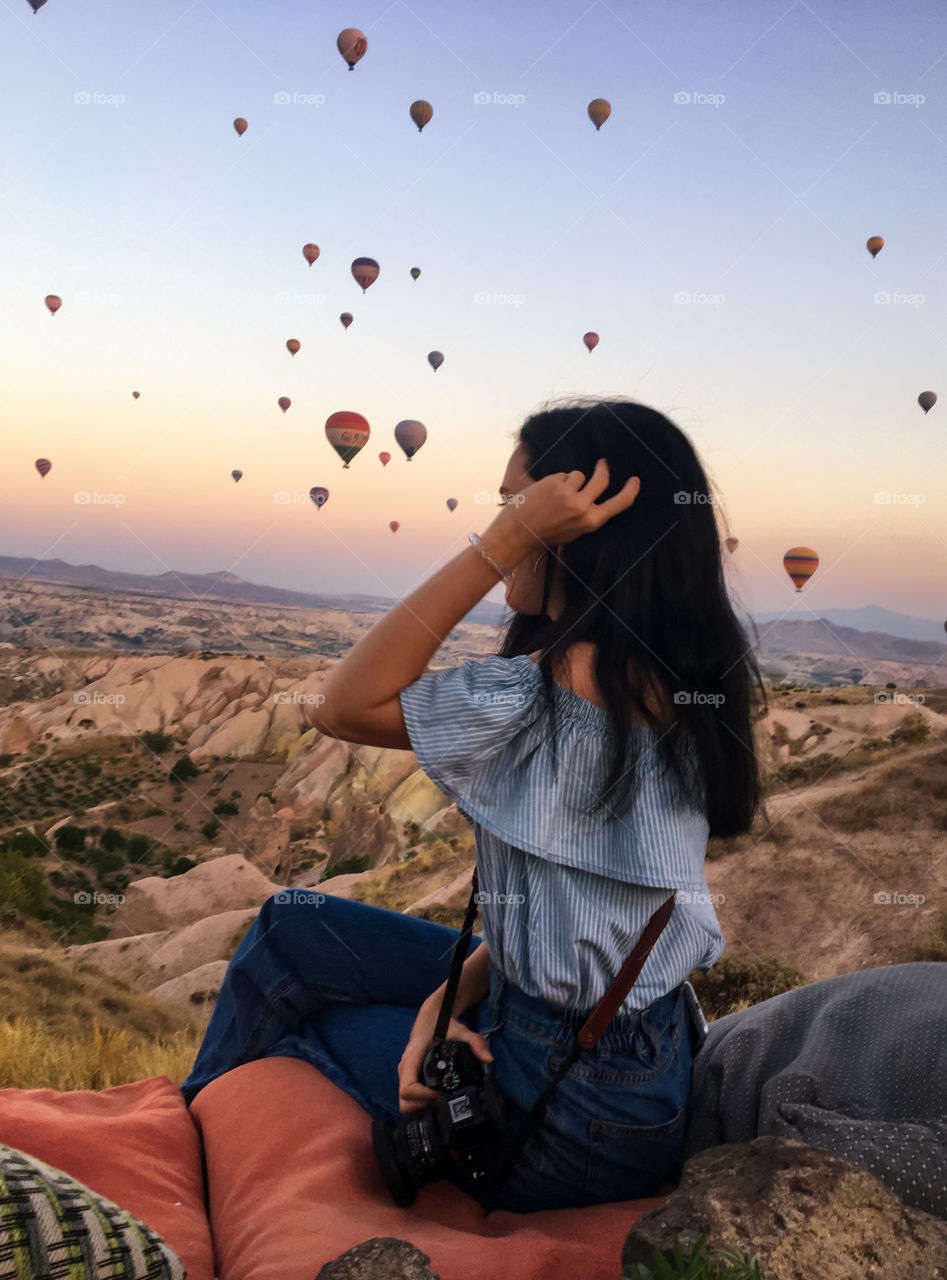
point(507, 542)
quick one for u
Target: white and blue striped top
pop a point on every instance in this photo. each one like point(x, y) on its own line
point(564, 895)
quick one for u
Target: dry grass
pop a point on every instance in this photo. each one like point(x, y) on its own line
point(398, 886)
point(34, 1057)
point(913, 789)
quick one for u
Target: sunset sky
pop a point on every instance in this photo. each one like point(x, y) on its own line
point(745, 163)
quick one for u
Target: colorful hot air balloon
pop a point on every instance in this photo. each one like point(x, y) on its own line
point(135, 395)
point(293, 345)
point(43, 466)
point(874, 245)
point(347, 432)
point(591, 340)
point(415, 272)
point(731, 544)
point(451, 504)
point(384, 459)
point(319, 495)
point(410, 434)
point(394, 526)
point(237, 476)
point(435, 359)
point(352, 45)
point(599, 111)
point(310, 253)
point(284, 402)
point(800, 563)
point(365, 271)
point(346, 319)
point(53, 302)
point(927, 400)
point(421, 113)
point(36, 5)
point(241, 126)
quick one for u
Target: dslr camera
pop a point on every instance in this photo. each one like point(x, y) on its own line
point(461, 1136)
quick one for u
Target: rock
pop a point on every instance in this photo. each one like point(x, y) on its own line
point(196, 945)
point(121, 957)
point(241, 735)
point(460, 885)
point(810, 742)
point(224, 884)
point(312, 774)
point(367, 831)
point(447, 822)
point(805, 1213)
point(195, 991)
point(382, 1258)
point(263, 837)
point(416, 799)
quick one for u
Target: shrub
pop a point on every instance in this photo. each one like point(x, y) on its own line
point(185, 768)
point(210, 828)
point(348, 866)
point(226, 807)
point(177, 866)
point(673, 1264)
point(157, 742)
point(91, 768)
point(30, 845)
point(70, 838)
point(112, 839)
point(734, 983)
point(21, 885)
point(138, 848)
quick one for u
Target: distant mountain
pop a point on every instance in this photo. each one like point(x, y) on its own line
point(872, 617)
point(788, 638)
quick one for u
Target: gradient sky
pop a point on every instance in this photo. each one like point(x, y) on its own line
point(176, 247)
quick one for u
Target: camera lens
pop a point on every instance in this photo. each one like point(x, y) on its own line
point(410, 1154)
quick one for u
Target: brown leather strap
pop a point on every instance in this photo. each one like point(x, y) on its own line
point(614, 997)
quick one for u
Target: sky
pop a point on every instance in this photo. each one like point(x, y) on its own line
point(712, 232)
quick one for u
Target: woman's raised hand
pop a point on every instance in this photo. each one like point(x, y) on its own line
point(562, 507)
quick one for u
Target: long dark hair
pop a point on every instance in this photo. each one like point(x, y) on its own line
point(648, 590)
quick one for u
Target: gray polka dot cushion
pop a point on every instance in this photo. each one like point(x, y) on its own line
point(54, 1228)
point(856, 1065)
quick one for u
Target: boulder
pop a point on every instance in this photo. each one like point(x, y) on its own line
point(367, 831)
point(382, 1258)
point(198, 944)
point(195, 991)
point(312, 774)
point(803, 1212)
point(458, 887)
point(416, 799)
point(121, 957)
point(224, 884)
point(262, 837)
point(447, 822)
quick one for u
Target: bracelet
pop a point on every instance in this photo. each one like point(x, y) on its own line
point(506, 574)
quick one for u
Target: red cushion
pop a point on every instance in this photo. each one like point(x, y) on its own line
point(292, 1183)
point(135, 1144)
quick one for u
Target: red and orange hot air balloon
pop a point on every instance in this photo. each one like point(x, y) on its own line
point(731, 544)
point(53, 302)
point(599, 111)
point(384, 458)
point(365, 271)
point(874, 245)
point(293, 345)
point(310, 253)
point(394, 525)
point(345, 319)
point(352, 45)
point(591, 340)
point(800, 563)
point(421, 113)
point(241, 126)
point(43, 466)
point(347, 432)
point(284, 402)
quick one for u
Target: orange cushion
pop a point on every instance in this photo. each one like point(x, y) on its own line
point(292, 1183)
point(135, 1144)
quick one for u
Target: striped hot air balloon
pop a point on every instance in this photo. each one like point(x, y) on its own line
point(800, 563)
point(347, 432)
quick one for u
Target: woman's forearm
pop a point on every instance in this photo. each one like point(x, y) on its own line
point(473, 986)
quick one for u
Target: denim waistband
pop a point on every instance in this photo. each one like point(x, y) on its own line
point(507, 1000)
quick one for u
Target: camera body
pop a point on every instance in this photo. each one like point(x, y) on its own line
point(461, 1136)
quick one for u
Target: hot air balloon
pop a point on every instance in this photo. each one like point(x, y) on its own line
point(310, 253)
point(347, 432)
point(384, 459)
point(237, 476)
point(193, 644)
point(451, 504)
point(874, 245)
point(415, 272)
point(599, 111)
point(43, 466)
point(284, 402)
point(352, 45)
point(135, 395)
point(591, 340)
point(293, 345)
point(36, 5)
point(731, 544)
point(241, 126)
point(394, 526)
point(365, 271)
point(435, 359)
point(53, 302)
point(421, 113)
point(800, 563)
point(319, 495)
point(346, 319)
point(410, 434)
point(927, 400)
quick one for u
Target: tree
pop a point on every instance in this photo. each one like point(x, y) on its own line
point(210, 829)
point(71, 838)
point(112, 839)
point(184, 769)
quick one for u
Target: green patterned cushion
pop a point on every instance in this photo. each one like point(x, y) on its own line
point(54, 1228)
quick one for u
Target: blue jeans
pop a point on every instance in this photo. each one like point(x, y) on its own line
point(339, 984)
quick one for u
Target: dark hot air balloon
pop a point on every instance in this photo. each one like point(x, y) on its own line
point(415, 272)
point(599, 111)
point(927, 400)
point(237, 476)
point(451, 504)
point(346, 319)
point(347, 432)
point(310, 253)
point(410, 434)
point(384, 459)
point(435, 359)
point(135, 395)
point(365, 271)
point(731, 544)
point(394, 526)
point(319, 495)
point(284, 402)
point(241, 126)
point(53, 302)
point(36, 5)
point(421, 113)
point(800, 563)
point(591, 340)
point(352, 45)
point(874, 245)
point(293, 345)
point(43, 466)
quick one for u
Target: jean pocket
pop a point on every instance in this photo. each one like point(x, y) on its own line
point(630, 1161)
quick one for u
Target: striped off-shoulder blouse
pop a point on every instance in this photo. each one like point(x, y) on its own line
point(564, 896)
